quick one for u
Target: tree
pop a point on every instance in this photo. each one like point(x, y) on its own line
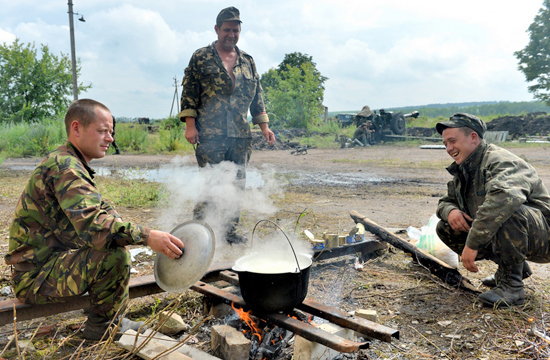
point(294, 91)
point(33, 87)
point(534, 59)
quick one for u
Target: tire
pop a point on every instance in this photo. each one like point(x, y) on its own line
point(398, 124)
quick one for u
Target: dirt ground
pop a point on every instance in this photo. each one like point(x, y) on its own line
point(396, 187)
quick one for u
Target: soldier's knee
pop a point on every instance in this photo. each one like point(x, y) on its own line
point(118, 259)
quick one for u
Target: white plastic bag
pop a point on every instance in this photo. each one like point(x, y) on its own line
point(431, 243)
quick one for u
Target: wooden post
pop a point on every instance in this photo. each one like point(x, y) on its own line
point(437, 267)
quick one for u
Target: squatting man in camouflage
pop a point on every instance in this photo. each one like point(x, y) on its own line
point(219, 87)
point(66, 239)
point(496, 208)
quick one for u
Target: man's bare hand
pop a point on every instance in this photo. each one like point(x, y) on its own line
point(459, 220)
point(191, 132)
point(469, 258)
point(268, 134)
point(165, 243)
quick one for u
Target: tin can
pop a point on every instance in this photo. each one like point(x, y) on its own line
point(318, 244)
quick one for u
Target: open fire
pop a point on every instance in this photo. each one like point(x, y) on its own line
point(267, 342)
point(271, 333)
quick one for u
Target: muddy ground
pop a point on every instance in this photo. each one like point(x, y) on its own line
point(394, 186)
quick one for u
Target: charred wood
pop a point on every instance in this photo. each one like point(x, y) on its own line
point(437, 267)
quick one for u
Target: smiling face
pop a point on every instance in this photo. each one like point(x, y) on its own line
point(228, 34)
point(459, 144)
point(93, 140)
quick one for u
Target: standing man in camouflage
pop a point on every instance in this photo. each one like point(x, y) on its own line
point(496, 208)
point(220, 85)
point(66, 239)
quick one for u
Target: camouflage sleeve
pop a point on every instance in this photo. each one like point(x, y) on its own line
point(94, 221)
point(508, 184)
point(109, 207)
point(447, 203)
point(190, 94)
point(257, 107)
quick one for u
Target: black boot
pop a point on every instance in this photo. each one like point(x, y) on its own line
point(97, 325)
point(491, 281)
point(509, 290)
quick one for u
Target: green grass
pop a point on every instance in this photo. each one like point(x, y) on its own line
point(132, 193)
point(34, 139)
point(167, 137)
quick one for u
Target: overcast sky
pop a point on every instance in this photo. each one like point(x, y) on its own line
point(381, 53)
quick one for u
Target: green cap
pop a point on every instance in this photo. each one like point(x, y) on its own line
point(463, 120)
point(228, 14)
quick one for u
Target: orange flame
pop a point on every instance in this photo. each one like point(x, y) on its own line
point(245, 316)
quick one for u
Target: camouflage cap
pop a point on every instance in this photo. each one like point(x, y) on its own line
point(228, 14)
point(463, 120)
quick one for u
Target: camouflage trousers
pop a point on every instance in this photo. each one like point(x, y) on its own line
point(214, 150)
point(524, 236)
point(104, 274)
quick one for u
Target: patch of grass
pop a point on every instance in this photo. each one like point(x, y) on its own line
point(131, 137)
point(132, 193)
point(31, 139)
point(319, 141)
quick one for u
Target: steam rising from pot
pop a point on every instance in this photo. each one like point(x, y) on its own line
point(216, 184)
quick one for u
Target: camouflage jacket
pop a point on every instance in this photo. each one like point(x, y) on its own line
point(359, 132)
point(209, 97)
point(61, 209)
point(490, 186)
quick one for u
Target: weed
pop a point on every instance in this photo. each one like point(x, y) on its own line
point(155, 306)
point(131, 137)
point(132, 193)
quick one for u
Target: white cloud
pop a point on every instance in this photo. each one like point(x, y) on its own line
point(390, 53)
point(6, 37)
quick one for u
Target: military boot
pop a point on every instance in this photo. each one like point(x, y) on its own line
point(509, 290)
point(97, 325)
point(491, 281)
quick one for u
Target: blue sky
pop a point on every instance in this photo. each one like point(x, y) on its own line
point(382, 53)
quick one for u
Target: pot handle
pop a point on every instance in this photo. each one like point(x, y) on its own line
point(287, 239)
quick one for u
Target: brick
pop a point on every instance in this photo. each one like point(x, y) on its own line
point(229, 343)
point(309, 350)
point(151, 350)
point(368, 314)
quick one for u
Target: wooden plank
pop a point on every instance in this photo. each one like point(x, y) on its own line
point(139, 286)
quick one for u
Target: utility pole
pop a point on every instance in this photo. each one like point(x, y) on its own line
point(175, 99)
point(73, 52)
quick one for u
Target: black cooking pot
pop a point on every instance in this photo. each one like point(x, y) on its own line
point(273, 282)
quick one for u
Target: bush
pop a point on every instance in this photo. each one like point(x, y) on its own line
point(34, 139)
point(131, 137)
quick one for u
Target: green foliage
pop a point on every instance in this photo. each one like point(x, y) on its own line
point(131, 137)
point(34, 139)
point(294, 92)
point(294, 101)
point(32, 86)
point(133, 193)
point(171, 139)
point(534, 59)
